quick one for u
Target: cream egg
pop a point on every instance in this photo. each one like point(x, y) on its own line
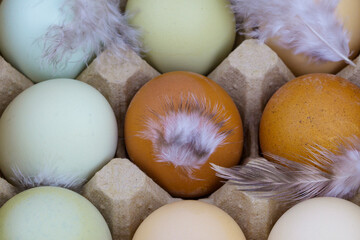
point(190, 220)
point(187, 35)
point(57, 132)
point(348, 12)
point(51, 213)
point(321, 219)
point(23, 25)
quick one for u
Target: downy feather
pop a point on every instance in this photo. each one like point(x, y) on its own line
point(96, 25)
point(188, 133)
point(47, 176)
point(326, 174)
point(307, 26)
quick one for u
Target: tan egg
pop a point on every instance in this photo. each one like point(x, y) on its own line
point(348, 11)
point(179, 123)
point(310, 111)
point(190, 220)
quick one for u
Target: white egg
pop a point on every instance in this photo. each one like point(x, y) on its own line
point(319, 219)
point(57, 132)
point(46, 213)
point(23, 25)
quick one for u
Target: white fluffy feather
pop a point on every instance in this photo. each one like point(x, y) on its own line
point(306, 26)
point(96, 25)
point(187, 134)
point(47, 176)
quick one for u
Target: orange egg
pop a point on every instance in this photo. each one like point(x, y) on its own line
point(176, 125)
point(310, 113)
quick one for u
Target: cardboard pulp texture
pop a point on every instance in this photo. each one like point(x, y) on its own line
point(120, 190)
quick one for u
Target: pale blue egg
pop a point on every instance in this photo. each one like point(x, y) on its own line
point(57, 132)
point(22, 27)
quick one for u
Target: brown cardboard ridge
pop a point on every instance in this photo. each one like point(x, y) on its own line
point(120, 190)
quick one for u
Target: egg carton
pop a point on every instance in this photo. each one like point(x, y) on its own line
point(120, 190)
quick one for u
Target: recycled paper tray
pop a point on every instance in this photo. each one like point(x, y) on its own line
point(120, 190)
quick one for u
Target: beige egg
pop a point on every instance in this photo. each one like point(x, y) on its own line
point(319, 219)
point(189, 220)
point(348, 11)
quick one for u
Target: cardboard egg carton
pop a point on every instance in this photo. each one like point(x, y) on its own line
point(120, 190)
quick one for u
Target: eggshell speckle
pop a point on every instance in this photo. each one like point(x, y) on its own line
point(56, 132)
point(320, 219)
point(46, 213)
point(190, 220)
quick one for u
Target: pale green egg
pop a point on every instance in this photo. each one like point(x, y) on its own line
point(22, 27)
point(57, 132)
point(54, 213)
point(186, 35)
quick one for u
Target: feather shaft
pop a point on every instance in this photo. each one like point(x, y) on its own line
point(341, 55)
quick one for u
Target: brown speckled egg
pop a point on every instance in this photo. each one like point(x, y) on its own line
point(179, 123)
point(312, 111)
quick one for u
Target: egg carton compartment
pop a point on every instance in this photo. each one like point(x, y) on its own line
point(12, 83)
point(120, 190)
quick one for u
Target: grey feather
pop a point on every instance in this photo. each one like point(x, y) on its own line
point(188, 133)
point(307, 26)
point(326, 174)
point(96, 25)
